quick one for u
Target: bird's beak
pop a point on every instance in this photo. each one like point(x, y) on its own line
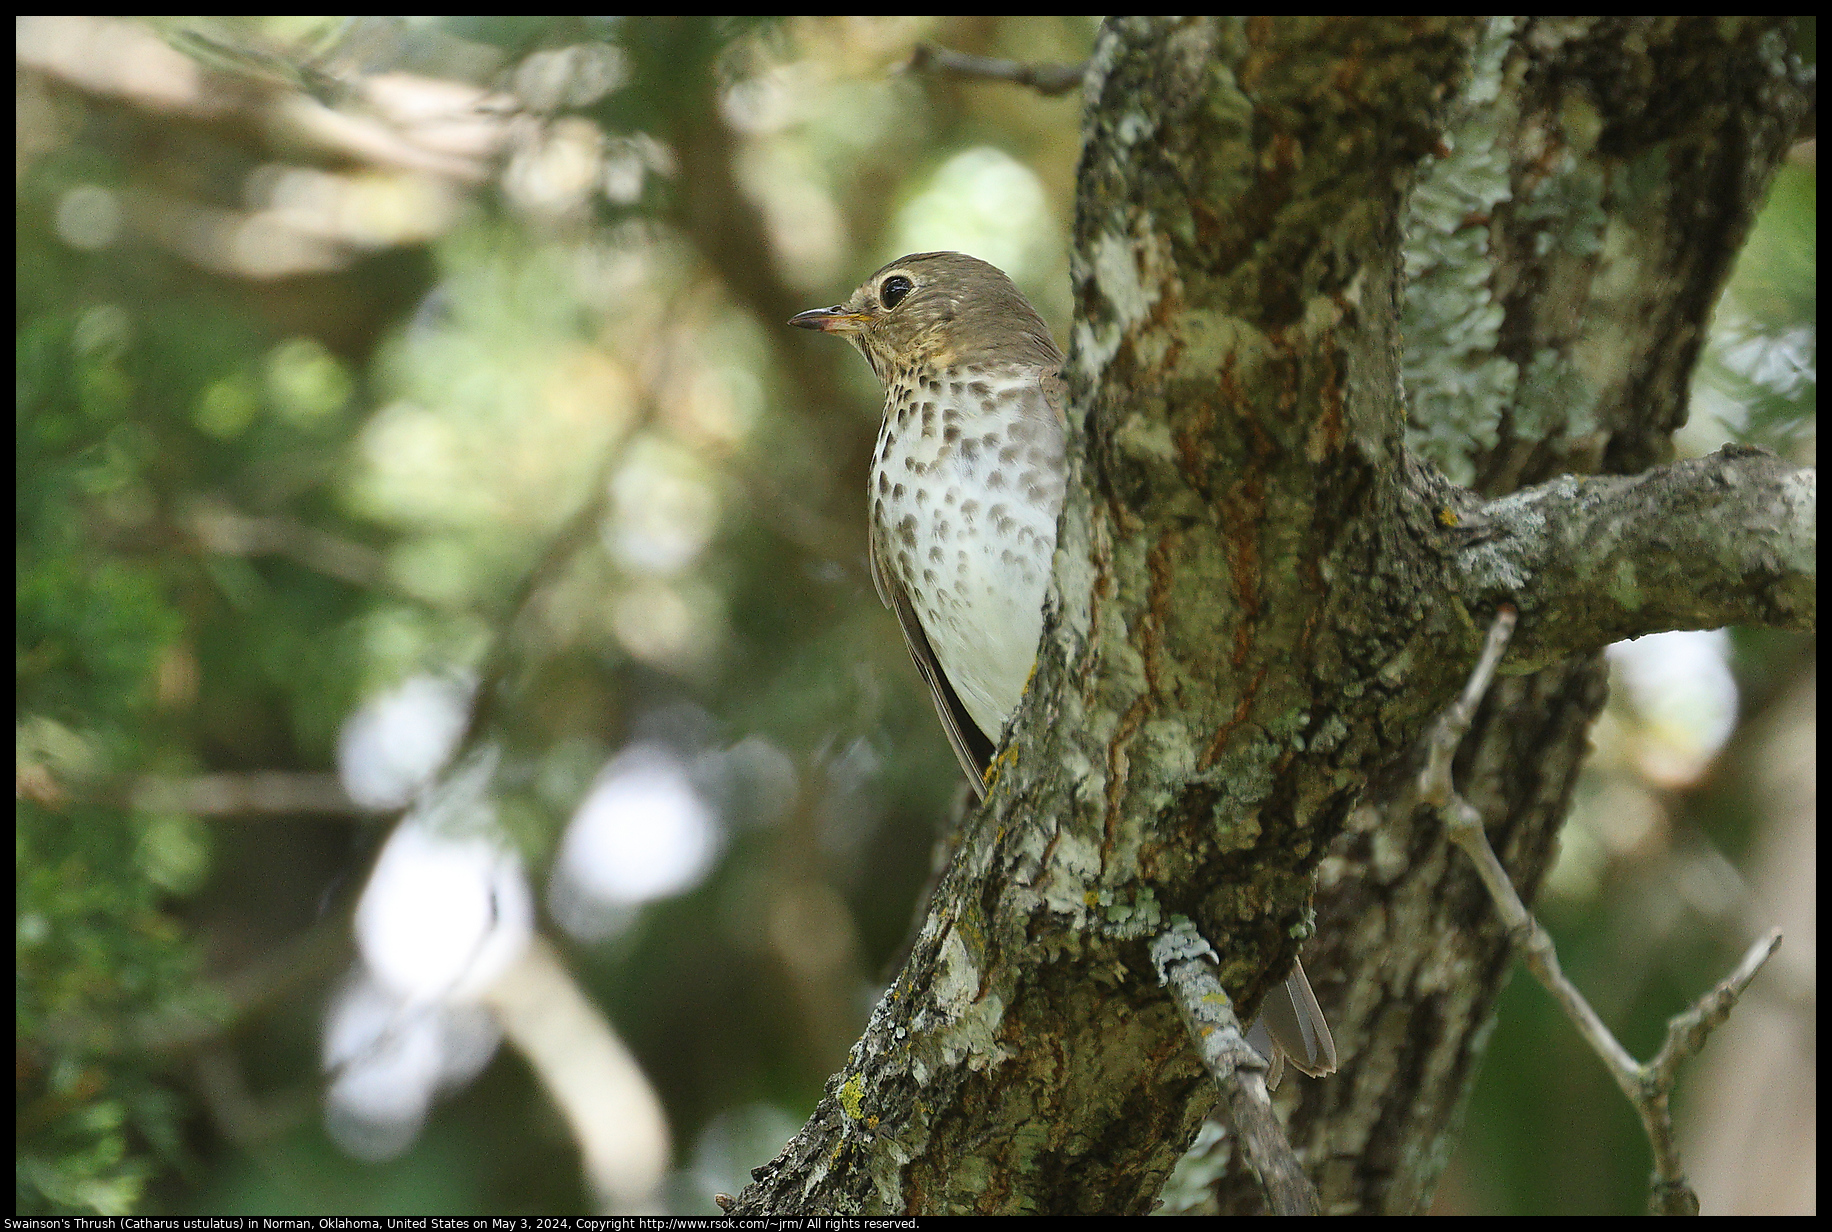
point(834, 320)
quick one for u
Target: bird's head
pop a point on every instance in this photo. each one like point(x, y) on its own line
point(938, 310)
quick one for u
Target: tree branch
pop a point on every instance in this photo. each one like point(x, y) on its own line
point(1186, 966)
point(252, 793)
point(1047, 79)
point(1726, 539)
point(221, 529)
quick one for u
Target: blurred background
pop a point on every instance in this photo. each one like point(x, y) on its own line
point(390, 386)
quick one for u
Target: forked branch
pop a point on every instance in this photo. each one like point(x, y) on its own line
point(1649, 1086)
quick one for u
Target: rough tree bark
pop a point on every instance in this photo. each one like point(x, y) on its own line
point(1264, 591)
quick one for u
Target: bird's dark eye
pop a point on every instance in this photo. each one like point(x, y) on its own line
point(894, 289)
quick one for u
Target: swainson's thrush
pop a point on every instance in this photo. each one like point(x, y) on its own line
point(966, 486)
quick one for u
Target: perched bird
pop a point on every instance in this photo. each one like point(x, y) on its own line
point(966, 486)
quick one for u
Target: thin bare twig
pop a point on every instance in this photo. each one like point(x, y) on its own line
point(1186, 965)
point(1435, 786)
point(1043, 78)
point(1648, 1087)
point(1686, 1035)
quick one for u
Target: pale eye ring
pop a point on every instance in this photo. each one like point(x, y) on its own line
point(893, 289)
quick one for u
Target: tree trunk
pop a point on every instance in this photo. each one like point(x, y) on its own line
point(1265, 590)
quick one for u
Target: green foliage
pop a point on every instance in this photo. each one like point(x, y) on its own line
point(95, 955)
point(139, 392)
point(1759, 380)
point(95, 950)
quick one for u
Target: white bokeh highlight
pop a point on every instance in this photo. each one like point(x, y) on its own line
point(1681, 688)
point(393, 745)
point(642, 832)
point(443, 915)
point(446, 913)
point(389, 1058)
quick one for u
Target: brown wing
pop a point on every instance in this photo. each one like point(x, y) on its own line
point(1056, 393)
point(971, 745)
point(1296, 1023)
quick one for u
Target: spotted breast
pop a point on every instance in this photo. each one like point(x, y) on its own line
point(967, 483)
